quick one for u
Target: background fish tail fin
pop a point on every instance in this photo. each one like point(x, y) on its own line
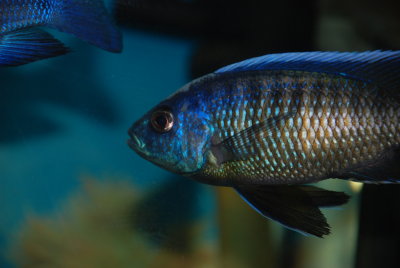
point(22, 47)
point(89, 21)
point(296, 207)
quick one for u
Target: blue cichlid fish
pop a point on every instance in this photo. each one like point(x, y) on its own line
point(268, 125)
point(20, 43)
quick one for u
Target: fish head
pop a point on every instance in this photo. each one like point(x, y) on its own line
point(174, 135)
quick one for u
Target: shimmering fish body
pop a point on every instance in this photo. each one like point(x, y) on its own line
point(268, 124)
point(296, 127)
point(21, 42)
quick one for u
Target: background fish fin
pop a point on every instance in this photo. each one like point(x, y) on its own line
point(296, 207)
point(379, 67)
point(22, 47)
point(245, 143)
point(89, 21)
point(386, 169)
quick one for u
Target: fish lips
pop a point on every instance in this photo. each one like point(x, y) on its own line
point(136, 144)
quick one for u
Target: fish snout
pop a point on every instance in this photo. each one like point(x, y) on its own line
point(135, 142)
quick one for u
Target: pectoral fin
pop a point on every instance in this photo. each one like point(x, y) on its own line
point(242, 144)
point(22, 47)
point(296, 207)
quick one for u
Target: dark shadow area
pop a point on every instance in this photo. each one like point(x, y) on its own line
point(21, 122)
point(167, 214)
point(228, 31)
point(223, 19)
point(72, 86)
point(174, 17)
point(378, 238)
point(291, 253)
point(379, 24)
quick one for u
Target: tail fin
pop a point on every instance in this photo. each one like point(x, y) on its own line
point(22, 47)
point(89, 21)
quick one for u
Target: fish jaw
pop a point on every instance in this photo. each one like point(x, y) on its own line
point(139, 146)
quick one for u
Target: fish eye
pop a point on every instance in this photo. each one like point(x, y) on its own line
point(162, 121)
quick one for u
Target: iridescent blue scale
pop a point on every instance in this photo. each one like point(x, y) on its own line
point(23, 14)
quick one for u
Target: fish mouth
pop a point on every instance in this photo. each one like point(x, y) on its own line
point(135, 143)
point(138, 146)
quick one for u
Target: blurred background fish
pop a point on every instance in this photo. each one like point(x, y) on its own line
point(21, 42)
point(269, 123)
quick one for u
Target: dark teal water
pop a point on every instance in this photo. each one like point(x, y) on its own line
point(69, 116)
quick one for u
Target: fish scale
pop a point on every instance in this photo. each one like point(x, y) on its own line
point(331, 125)
point(24, 13)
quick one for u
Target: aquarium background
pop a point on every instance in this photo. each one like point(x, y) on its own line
point(74, 195)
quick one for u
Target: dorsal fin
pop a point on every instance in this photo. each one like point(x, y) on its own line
point(379, 67)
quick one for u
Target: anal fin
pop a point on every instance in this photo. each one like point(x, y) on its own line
point(296, 207)
point(22, 47)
